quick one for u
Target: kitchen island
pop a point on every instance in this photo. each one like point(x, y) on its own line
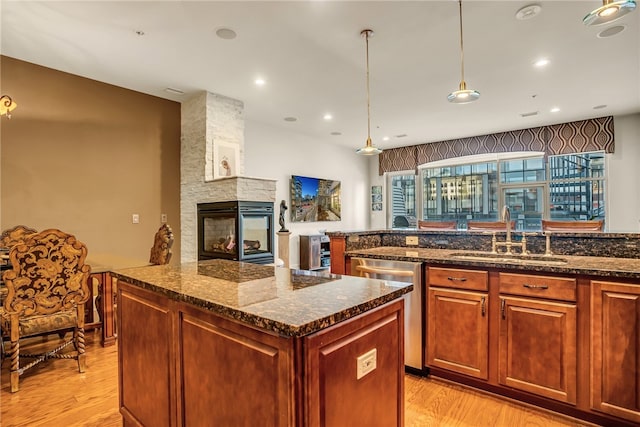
point(227, 343)
point(559, 331)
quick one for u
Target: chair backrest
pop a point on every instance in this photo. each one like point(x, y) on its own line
point(572, 226)
point(489, 225)
point(434, 225)
point(161, 250)
point(13, 236)
point(48, 274)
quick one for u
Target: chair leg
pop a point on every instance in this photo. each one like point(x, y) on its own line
point(15, 366)
point(79, 344)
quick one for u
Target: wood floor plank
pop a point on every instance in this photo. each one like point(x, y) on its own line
point(56, 395)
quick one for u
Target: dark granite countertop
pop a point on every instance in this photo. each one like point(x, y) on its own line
point(290, 302)
point(414, 231)
point(628, 268)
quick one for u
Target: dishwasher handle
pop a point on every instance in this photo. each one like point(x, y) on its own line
point(382, 270)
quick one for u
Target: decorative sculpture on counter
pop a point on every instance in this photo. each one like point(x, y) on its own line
point(283, 208)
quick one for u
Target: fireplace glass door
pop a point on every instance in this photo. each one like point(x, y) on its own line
point(219, 235)
point(236, 230)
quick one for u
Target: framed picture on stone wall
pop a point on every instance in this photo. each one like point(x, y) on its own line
point(226, 156)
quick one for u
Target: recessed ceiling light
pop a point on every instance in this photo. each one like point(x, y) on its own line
point(600, 107)
point(528, 12)
point(290, 119)
point(336, 133)
point(555, 109)
point(139, 33)
point(327, 116)
point(226, 33)
point(542, 62)
point(611, 31)
point(260, 82)
point(385, 138)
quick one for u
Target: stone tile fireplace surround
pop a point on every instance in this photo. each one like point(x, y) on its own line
point(208, 119)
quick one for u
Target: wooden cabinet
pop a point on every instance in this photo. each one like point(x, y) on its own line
point(537, 350)
point(338, 246)
point(194, 367)
point(337, 395)
point(538, 337)
point(458, 331)
point(315, 252)
point(615, 349)
point(457, 321)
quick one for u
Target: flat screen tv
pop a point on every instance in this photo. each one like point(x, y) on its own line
point(314, 199)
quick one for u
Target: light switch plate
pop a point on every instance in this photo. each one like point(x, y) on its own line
point(366, 363)
point(412, 240)
point(135, 218)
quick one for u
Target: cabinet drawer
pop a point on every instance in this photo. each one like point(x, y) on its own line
point(458, 278)
point(530, 285)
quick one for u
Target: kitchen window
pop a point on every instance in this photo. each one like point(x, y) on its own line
point(563, 187)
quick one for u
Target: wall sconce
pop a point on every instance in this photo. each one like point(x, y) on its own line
point(7, 105)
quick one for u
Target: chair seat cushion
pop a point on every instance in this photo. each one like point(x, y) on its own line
point(38, 324)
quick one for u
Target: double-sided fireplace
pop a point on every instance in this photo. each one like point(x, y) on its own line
point(238, 230)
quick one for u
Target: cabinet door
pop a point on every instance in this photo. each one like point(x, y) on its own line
point(338, 391)
point(458, 331)
point(537, 347)
point(615, 349)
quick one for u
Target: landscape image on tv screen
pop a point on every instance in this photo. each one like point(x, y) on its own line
point(314, 199)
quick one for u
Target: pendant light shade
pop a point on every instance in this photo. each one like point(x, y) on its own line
point(610, 11)
point(368, 149)
point(462, 95)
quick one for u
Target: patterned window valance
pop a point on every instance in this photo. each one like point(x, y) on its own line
point(575, 137)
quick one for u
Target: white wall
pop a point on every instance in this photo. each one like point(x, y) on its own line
point(277, 154)
point(623, 183)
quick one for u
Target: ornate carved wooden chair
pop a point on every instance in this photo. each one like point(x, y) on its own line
point(161, 250)
point(9, 238)
point(47, 290)
point(15, 235)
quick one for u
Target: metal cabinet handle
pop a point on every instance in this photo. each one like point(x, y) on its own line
point(457, 279)
point(482, 301)
point(526, 285)
point(503, 303)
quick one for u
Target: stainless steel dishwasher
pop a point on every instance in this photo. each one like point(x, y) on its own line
point(400, 271)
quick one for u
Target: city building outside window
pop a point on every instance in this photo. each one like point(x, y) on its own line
point(563, 187)
point(403, 201)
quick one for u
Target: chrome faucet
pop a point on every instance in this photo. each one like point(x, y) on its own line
point(506, 217)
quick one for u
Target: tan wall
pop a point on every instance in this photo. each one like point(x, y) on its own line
point(83, 156)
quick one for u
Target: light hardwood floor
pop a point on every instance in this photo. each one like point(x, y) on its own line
point(56, 395)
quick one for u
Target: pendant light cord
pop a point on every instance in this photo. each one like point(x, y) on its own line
point(461, 44)
point(366, 38)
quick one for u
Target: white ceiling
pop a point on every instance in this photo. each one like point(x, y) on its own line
point(312, 57)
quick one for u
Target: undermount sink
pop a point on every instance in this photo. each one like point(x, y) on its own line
point(517, 259)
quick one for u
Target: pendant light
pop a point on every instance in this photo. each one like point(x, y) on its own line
point(462, 95)
point(609, 12)
point(368, 149)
